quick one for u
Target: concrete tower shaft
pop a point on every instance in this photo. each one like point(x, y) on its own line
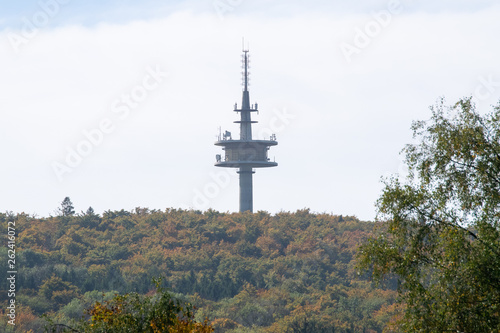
point(246, 188)
point(245, 153)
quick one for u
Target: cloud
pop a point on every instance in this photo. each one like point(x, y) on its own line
point(350, 118)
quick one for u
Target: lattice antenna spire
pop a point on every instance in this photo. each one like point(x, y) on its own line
point(245, 66)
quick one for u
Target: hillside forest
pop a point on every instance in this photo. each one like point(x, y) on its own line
point(288, 272)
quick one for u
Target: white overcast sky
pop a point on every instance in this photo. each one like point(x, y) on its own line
point(338, 82)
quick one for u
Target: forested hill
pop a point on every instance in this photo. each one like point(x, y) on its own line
point(289, 272)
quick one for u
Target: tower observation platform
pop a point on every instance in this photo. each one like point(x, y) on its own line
point(245, 153)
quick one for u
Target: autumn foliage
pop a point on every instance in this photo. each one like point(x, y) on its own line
point(288, 272)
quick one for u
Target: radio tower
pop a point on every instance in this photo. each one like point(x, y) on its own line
point(245, 153)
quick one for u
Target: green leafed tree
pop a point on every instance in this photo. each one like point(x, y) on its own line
point(67, 208)
point(58, 292)
point(441, 235)
point(137, 314)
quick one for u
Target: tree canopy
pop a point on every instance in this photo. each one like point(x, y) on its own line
point(442, 233)
point(67, 208)
point(132, 312)
point(287, 272)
